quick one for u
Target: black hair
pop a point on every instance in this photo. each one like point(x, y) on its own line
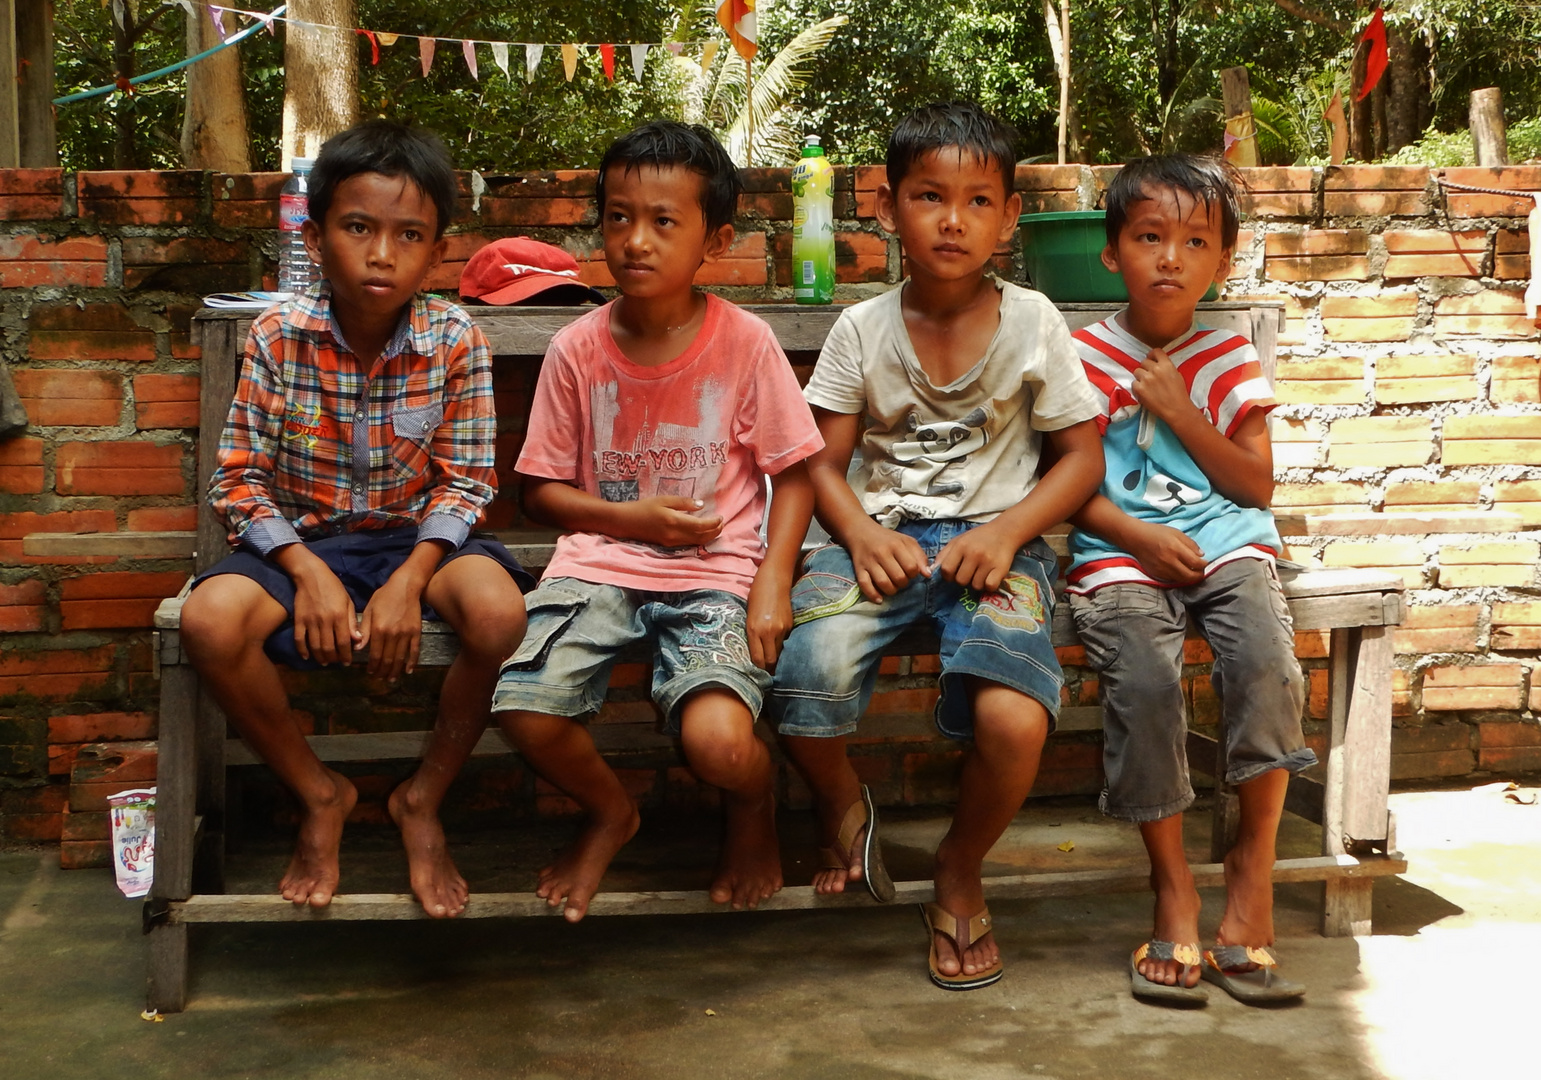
point(1208, 179)
point(962, 125)
point(390, 149)
point(665, 143)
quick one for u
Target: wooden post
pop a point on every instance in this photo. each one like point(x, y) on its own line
point(1240, 133)
point(1337, 120)
point(1488, 136)
point(35, 81)
point(10, 128)
point(1064, 79)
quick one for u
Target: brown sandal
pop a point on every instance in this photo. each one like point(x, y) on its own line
point(874, 873)
point(938, 920)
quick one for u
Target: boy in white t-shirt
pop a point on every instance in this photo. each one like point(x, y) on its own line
point(654, 425)
point(949, 384)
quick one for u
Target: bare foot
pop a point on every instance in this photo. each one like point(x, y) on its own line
point(750, 869)
point(436, 883)
point(833, 879)
point(313, 873)
point(963, 894)
point(574, 878)
point(1248, 918)
point(1177, 921)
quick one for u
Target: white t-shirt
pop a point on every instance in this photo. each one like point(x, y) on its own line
point(966, 451)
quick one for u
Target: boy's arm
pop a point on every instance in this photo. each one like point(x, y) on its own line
point(669, 520)
point(982, 557)
point(884, 560)
point(1167, 554)
point(1240, 467)
point(770, 597)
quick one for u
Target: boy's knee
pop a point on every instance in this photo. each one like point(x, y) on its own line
point(221, 617)
point(493, 636)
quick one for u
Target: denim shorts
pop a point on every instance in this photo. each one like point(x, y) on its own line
point(1134, 641)
point(363, 561)
point(829, 664)
point(700, 639)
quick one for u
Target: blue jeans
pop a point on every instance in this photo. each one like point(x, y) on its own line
point(829, 664)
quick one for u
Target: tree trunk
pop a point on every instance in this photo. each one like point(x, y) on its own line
point(1361, 128)
point(214, 123)
point(35, 79)
point(1409, 97)
point(1240, 133)
point(10, 135)
point(1489, 136)
point(320, 76)
point(124, 151)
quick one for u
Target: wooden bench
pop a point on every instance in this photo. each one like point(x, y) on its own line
point(1350, 804)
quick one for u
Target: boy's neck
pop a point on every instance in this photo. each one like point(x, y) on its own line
point(942, 300)
point(1154, 329)
point(654, 330)
point(366, 335)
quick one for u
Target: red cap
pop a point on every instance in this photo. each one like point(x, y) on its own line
point(516, 268)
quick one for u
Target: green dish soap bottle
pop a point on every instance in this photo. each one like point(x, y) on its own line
point(813, 226)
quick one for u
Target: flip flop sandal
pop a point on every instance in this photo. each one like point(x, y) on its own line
point(874, 873)
point(938, 919)
point(1146, 990)
point(1258, 987)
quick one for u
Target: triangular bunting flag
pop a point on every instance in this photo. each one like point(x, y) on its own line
point(217, 17)
point(500, 55)
point(425, 47)
point(737, 19)
point(570, 60)
point(386, 39)
point(468, 47)
point(708, 54)
point(1375, 63)
point(532, 61)
point(607, 60)
point(674, 47)
point(638, 59)
point(374, 47)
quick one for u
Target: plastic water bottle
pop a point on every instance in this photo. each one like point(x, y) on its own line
point(813, 226)
point(296, 272)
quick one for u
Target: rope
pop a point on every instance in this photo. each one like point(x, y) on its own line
point(1442, 182)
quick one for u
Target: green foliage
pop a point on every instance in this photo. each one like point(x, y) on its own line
point(1439, 149)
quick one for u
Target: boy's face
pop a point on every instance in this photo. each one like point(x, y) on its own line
point(654, 231)
point(1170, 251)
point(377, 244)
point(951, 211)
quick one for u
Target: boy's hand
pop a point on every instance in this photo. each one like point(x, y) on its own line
point(392, 627)
point(325, 624)
point(770, 616)
point(980, 559)
point(1167, 554)
point(1159, 386)
point(671, 520)
point(885, 560)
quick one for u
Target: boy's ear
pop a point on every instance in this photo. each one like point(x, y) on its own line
point(1110, 259)
point(887, 208)
point(717, 244)
point(1224, 269)
point(1013, 211)
point(311, 231)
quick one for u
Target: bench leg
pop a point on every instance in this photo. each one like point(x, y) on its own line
point(1346, 907)
point(167, 990)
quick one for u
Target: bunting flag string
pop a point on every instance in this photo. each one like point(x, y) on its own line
point(736, 16)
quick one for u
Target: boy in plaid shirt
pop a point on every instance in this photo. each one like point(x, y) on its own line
point(357, 457)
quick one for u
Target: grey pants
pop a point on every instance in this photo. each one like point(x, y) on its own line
point(1134, 641)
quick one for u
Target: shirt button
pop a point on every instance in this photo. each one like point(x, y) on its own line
point(358, 415)
point(426, 426)
point(358, 489)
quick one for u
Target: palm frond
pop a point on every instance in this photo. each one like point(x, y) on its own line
point(776, 84)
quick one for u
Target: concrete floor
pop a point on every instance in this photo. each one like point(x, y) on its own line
point(1442, 990)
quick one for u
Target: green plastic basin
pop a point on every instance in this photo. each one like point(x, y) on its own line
point(1062, 252)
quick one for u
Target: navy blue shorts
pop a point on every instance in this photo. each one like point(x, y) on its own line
point(363, 561)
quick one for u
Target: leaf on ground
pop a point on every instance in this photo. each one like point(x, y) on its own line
point(1068, 845)
point(711, 1012)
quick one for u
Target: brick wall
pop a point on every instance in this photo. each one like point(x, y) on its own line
point(1409, 439)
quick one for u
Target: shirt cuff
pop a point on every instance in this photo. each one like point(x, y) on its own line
point(266, 535)
point(445, 527)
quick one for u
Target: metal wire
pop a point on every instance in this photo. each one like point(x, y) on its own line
point(1442, 182)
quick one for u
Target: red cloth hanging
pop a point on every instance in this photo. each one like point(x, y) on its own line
point(607, 58)
point(1375, 63)
point(374, 47)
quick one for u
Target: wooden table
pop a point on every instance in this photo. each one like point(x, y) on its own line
point(1350, 804)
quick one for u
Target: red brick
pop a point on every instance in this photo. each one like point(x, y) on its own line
point(100, 727)
point(141, 197)
point(1416, 266)
point(545, 212)
point(31, 828)
point(87, 343)
point(160, 251)
point(86, 827)
point(126, 763)
point(1317, 242)
point(1520, 179)
point(31, 194)
point(21, 466)
point(58, 673)
point(70, 397)
point(22, 606)
point(29, 261)
point(163, 519)
point(1510, 759)
point(119, 468)
point(1319, 268)
point(85, 854)
point(117, 586)
point(166, 401)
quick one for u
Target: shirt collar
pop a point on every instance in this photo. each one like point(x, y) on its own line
point(311, 312)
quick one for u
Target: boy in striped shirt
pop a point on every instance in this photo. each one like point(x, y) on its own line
point(1181, 529)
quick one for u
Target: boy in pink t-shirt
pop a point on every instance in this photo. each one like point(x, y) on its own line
point(655, 423)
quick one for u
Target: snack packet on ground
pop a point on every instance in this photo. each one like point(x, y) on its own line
point(133, 840)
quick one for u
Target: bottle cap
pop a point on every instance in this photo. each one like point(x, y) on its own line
point(301, 164)
point(810, 140)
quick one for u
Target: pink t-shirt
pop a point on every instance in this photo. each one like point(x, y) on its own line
point(710, 425)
